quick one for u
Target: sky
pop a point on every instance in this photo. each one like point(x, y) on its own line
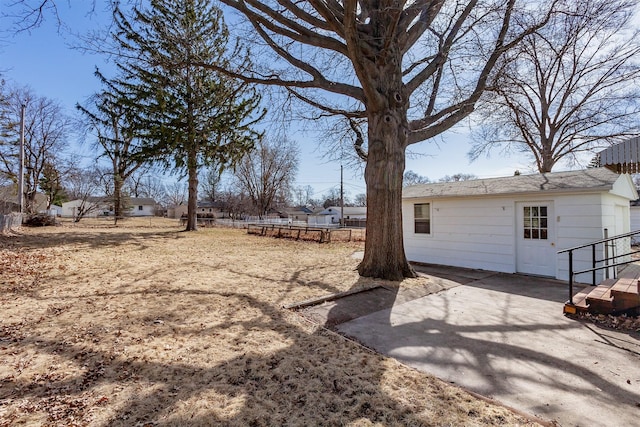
point(43, 60)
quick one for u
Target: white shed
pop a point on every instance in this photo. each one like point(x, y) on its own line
point(516, 224)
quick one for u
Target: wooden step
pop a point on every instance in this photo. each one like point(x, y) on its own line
point(600, 299)
point(579, 302)
point(611, 295)
point(625, 296)
point(625, 285)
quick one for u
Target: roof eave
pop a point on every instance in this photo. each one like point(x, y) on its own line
point(607, 189)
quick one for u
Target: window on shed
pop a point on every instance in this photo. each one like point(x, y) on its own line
point(422, 218)
point(535, 222)
point(140, 207)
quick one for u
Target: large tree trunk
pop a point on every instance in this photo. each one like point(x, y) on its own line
point(388, 133)
point(384, 255)
point(192, 203)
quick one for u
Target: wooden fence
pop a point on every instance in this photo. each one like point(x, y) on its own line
point(320, 234)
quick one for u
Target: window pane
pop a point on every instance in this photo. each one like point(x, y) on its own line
point(543, 211)
point(535, 222)
point(423, 226)
point(421, 210)
point(422, 222)
point(527, 222)
point(527, 233)
point(534, 211)
point(534, 233)
point(527, 211)
point(543, 222)
point(543, 234)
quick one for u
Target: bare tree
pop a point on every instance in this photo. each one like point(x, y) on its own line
point(46, 131)
point(413, 178)
point(82, 185)
point(268, 171)
point(153, 187)
point(332, 198)
point(115, 134)
point(135, 184)
point(176, 194)
point(401, 72)
point(237, 204)
point(211, 182)
point(569, 87)
point(302, 195)
point(458, 177)
point(360, 199)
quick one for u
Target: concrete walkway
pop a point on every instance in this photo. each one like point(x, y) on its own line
point(504, 336)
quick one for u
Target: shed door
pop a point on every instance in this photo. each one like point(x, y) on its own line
point(535, 237)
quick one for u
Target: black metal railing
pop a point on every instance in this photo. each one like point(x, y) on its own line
point(609, 260)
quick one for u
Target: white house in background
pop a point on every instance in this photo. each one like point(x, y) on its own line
point(55, 210)
point(333, 214)
point(298, 214)
point(141, 206)
point(96, 206)
point(103, 206)
point(517, 224)
point(204, 209)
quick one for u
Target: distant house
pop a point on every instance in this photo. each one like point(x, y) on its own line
point(210, 209)
point(55, 210)
point(9, 200)
point(516, 224)
point(333, 214)
point(204, 208)
point(94, 206)
point(103, 206)
point(299, 213)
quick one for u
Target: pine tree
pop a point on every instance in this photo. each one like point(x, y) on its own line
point(189, 117)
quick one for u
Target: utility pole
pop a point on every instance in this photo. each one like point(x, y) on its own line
point(21, 172)
point(341, 198)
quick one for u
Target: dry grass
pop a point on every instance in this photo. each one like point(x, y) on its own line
point(142, 324)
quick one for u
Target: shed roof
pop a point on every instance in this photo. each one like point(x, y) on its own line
point(588, 180)
point(142, 201)
point(348, 210)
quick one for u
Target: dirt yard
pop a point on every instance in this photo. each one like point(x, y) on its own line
point(145, 325)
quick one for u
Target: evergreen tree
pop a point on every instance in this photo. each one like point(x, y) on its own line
point(190, 116)
point(51, 185)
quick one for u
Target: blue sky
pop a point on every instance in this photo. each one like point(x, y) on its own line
point(43, 60)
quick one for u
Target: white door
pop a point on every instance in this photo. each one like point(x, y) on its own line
point(535, 238)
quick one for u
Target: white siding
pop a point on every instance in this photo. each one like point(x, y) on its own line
point(465, 233)
point(69, 209)
point(635, 219)
point(147, 210)
point(578, 222)
point(480, 232)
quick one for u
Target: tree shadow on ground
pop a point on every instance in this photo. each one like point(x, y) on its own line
point(493, 353)
point(270, 366)
point(313, 379)
point(88, 240)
